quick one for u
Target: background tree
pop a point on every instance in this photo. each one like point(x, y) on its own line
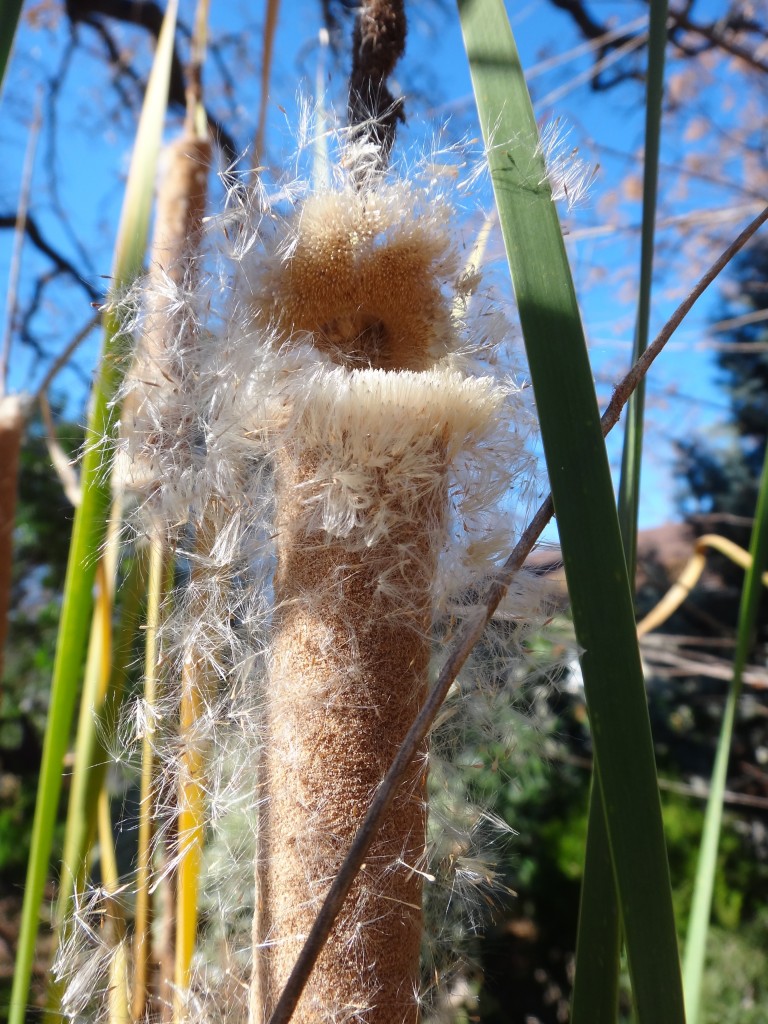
point(720, 475)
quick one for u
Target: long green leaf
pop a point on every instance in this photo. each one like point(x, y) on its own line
point(698, 924)
point(595, 997)
point(629, 484)
point(90, 520)
point(584, 503)
point(599, 936)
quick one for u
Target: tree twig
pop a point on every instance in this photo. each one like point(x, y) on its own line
point(640, 369)
point(270, 28)
point(18, 244)
point(8, 220)
point(714, 34)
point(148, 15)
point(466, 640)
point(64, 356)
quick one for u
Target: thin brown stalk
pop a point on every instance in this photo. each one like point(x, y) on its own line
point(11, 432)
point(627, 386)
point(378, 42)
point(463, 646)
point(270, 27)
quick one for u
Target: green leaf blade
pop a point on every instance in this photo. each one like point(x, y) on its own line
point(701, 907)
point(598, 943)
point(585, 509)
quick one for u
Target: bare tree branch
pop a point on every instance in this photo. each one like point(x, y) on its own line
point(65, 355)
point(8, 220)
point(715, 35)
point(149, 16)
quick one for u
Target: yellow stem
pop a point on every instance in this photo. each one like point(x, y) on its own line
point(142, 946)
point(191, 822)
point(119, 985)
point(689, 577)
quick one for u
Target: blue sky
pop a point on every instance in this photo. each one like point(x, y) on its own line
point(93, 148)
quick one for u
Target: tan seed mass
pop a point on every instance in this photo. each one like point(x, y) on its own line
point(364, 283)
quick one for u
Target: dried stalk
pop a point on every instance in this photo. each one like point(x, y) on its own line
point(11, 433)
point(378, 42)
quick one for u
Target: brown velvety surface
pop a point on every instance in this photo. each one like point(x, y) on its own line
point(349, 674)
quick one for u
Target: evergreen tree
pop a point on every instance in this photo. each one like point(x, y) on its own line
point(720, 478)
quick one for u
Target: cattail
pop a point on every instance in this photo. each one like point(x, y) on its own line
point(162, 355)
point(361, 516)
point(333, 465)
point(165, 356)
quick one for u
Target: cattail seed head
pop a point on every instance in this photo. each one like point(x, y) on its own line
point(364, 275)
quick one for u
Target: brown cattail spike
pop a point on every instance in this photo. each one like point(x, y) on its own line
point(364, 282)
point(361, 505)
point(11, 433)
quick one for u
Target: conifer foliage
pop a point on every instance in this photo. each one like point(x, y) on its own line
point(720, 477)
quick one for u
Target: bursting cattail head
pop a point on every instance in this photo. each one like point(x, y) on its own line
point(364, 276)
